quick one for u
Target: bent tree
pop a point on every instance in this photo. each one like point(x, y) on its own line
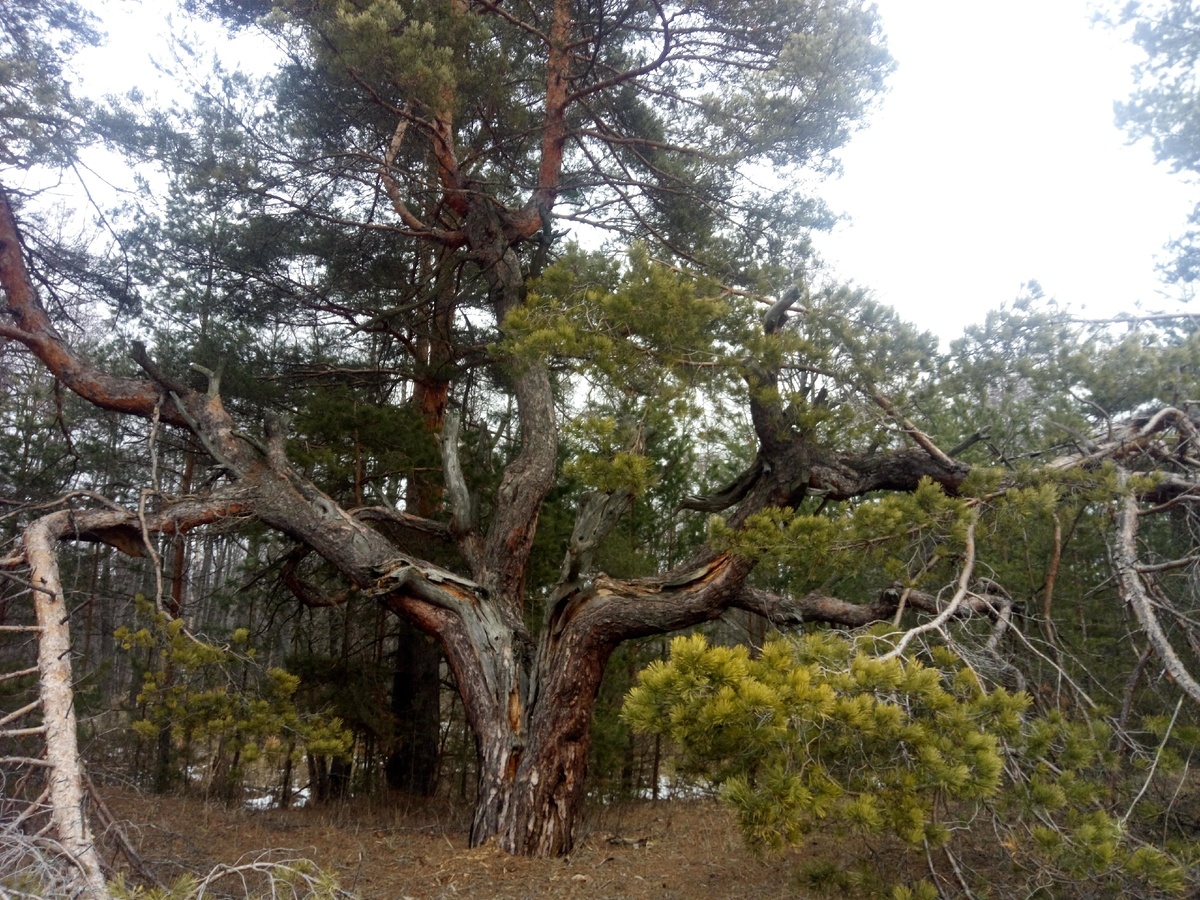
point(390, 194)
point(392, 204)
point(529, 698)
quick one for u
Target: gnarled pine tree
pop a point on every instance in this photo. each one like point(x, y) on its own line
point(395, 202)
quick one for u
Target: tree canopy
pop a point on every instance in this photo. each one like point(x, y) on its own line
point(1163, 107)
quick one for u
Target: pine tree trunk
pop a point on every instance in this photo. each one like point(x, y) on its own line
point(531, 787)
point(413, 761)
point(533, 754)
point(549, 789)
point(546, 795)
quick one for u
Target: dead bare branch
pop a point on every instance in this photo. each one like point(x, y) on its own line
point(1123, 550)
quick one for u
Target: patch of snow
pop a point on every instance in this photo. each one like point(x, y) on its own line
point(672, 787)
point(266, 801)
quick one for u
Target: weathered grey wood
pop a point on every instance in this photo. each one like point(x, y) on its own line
point(58, 708)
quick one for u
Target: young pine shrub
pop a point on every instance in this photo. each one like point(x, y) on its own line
point(826, 732)
point(816, 733)
point(216, 705)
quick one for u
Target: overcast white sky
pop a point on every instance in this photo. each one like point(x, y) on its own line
point(994, 159)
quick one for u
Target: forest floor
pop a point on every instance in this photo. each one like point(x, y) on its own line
point(418, 849)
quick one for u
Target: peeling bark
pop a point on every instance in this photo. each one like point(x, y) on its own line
point(529, 703)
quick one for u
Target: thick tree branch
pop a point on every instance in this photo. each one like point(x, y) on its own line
point(302, 590)
point(139, 355)
point(554, 131)
point(1130, 438)
point(1125, 560)
point(403, 519)
point(598, 515)
point(776, 316)
point(967, 443)
point(35, 330)
point(608, 611)
point(922, 439)
point(389, 181)
point(841, 478)
point(817, 607)
point(730, 494)
point(122, 528)
point(462, 512)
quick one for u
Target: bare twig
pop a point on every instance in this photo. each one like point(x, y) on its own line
point(1051, 578)
point(151, 550)
point(964, 581)
point(1131, 687)
point(925, 441)
point(958, 873)
point(20, 673)
point(1153, 766)
point(112, 829)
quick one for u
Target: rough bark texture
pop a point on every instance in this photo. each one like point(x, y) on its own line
point(530, 705)
point(529, 700)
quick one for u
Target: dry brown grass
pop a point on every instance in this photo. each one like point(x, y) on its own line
point(417, 849)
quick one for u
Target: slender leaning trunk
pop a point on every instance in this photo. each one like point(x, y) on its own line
point(58, 710)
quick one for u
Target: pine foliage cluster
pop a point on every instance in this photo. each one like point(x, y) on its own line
point(832, 731)
point(213, 709)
